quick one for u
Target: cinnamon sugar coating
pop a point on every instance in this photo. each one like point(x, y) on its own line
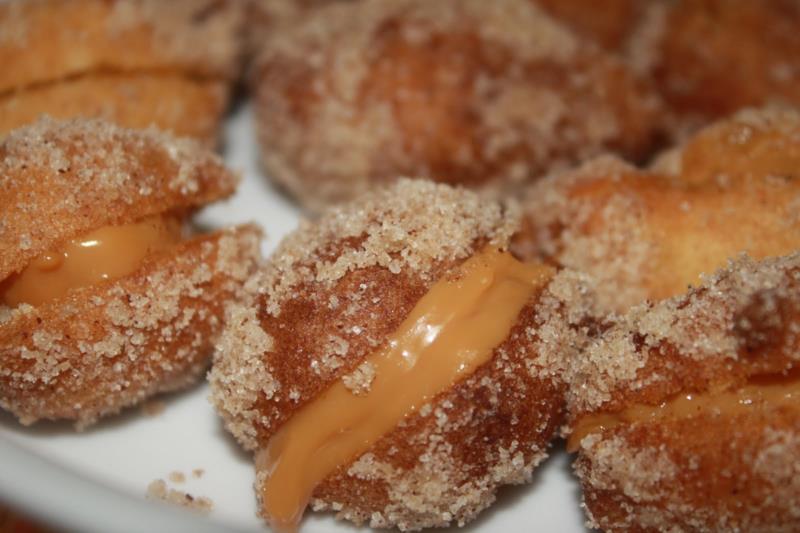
point(266, 16)
point(483, 94)
point(711, 58)
point(88, 52)
point(711, 471)
point(106, 346)
point(609, 23)
point(80, 175)
point(332, 294)
point(186, 107)
point(648, 234)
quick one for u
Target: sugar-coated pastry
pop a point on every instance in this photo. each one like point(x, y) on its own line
point(685, 414)
point(105, 296)
point(648, 234)
point(711, 58)
point(267, 16)
point(609, 23)
point(396, 364)
point(134, 62)
point(487, 95)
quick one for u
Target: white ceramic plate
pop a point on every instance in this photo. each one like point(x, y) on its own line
point(95, 481)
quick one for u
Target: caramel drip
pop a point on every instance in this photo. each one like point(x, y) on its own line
point(760, 393)
point(107, 253)
point(451, 331)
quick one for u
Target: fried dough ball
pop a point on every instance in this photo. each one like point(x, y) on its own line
point(483, 94)
point(700, 427)
point(711, 58)
point(609, 23)
point(266, 16)
point(270, 13)
point(332, 294)
point(649, 234)
point(134, 62)
point(80, 349)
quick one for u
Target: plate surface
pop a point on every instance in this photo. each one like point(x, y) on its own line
point(96, 480)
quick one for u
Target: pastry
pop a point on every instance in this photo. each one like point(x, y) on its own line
point(268, 14)
point(649, 233)
point(265, 17)
point(395, 364)
point(106, 297)
point(609, 23)
point(488, 95)
point(134, 62)
point(711, 58)
point(685, 413)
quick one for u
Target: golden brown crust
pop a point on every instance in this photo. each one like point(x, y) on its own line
point(713, 57)
point(703, 474)
point(609, 23)
point(349, 278)
point(445, 463)
point(646, 235)
point(266, 16)
point(80, 175)
point(107, 346)
point(485, 94)
point(174, 103)
point(277, 11)
point(750, 145)
point(354, 277)
point(712, 471)
point(743, 321)
point(47, 40)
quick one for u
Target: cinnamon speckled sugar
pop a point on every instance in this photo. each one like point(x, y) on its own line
point(647, 234)
point(488, 95)
point(712, 58)
point(101, 347)
point(331, 295)
point(709, 469)
point(134, 62)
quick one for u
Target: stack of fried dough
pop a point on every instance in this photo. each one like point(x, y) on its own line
point(528, 221)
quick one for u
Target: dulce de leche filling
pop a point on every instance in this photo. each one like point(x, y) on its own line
point(107, 253)
point(764, 392)
point(450, 332)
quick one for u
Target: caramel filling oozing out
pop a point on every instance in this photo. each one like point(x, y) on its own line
point(107, 253)
point(450, 332)
point(760, 393)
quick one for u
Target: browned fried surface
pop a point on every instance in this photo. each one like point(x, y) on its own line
point(174, 103)
point(267, 16)
point(47, 40)
point(329, 298)
point(349, 280)
point(446, 462)
point(609, 23)
point(59, 180)
point(751, 145)
point(646, 235)
point(486, 94)
point(705, 474)
point(108, 346)
point(742, 322)
point(712, 471)
point(713, 57)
